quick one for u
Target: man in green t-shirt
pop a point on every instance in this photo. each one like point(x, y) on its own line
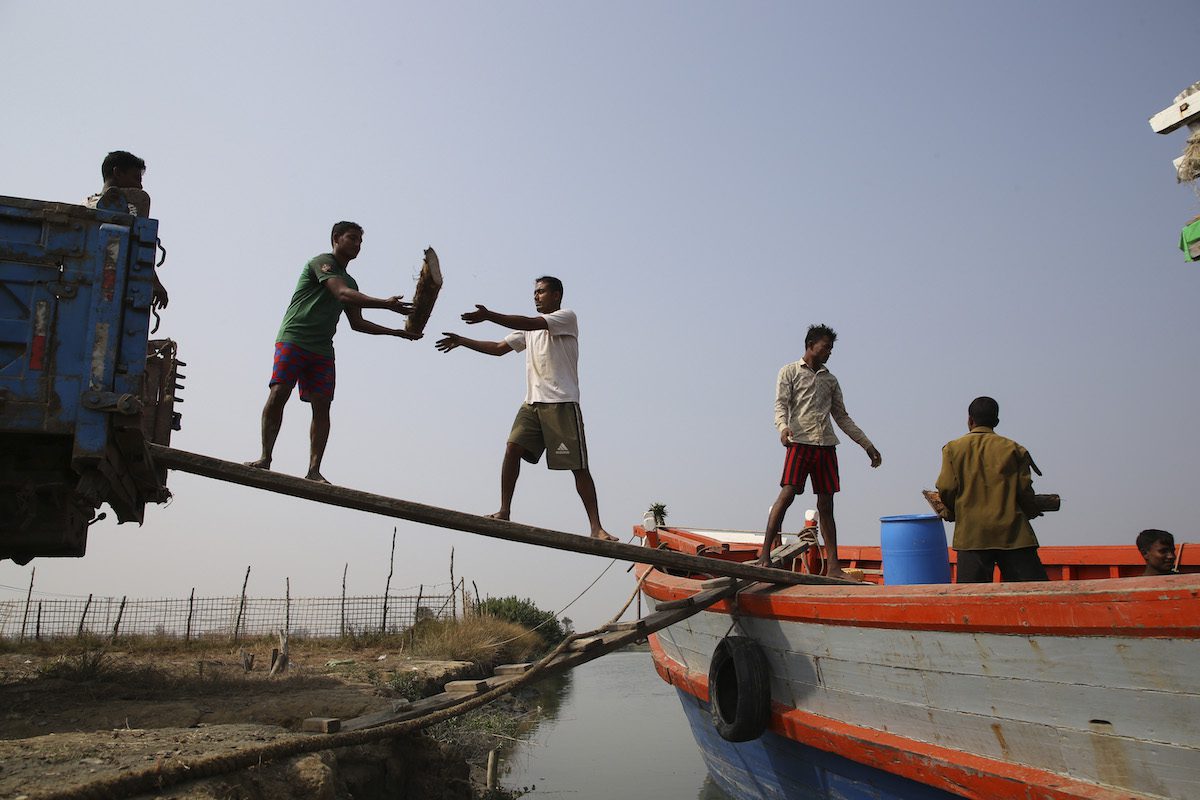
point(304, 344)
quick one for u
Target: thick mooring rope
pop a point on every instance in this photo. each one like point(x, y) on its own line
point(159, 777)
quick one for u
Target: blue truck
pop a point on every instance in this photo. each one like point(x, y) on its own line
point(83, 388)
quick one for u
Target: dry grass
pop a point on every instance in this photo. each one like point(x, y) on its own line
point(480, 639)
point(139, 645)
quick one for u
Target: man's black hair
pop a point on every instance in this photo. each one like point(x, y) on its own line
point(1151, 536)
point(119, 159)
point(341, 227)
point(818, 332)
point(985, 411)
point(554, 283)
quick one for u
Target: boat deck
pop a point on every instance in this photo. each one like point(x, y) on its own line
point(1063, 563)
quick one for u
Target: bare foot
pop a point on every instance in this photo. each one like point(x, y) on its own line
point(260, 463)
point(317, 477)
point(604, 535)
point(836, 572)
point(499, 515)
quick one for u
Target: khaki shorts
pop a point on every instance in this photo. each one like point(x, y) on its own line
point(553, 428)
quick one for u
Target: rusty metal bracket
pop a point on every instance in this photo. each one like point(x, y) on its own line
point(112, 402)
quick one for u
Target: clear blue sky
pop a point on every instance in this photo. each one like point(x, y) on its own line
point(969, 193)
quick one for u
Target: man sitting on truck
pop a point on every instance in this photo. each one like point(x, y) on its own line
point(122, 172)
point(304, 345)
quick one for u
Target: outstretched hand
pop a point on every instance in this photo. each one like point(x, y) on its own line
point(398, 305)
point(448, 342)
point(480, 314)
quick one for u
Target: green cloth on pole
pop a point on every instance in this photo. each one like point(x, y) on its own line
point(1189, 240)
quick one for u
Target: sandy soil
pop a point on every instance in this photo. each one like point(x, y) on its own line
point(60, 729)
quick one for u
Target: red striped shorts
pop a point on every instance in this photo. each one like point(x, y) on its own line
point(819, 461)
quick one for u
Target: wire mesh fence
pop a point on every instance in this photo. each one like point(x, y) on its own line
point(197, 617)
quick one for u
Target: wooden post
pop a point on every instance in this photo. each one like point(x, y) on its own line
point(120, 613)
point(453, 586)
point(417, 608)
point(491, 770)
point(387, 587)
point(241, 607)
point(187, 635)
point(287, 606)
point(28, 597)
point(476, 588)
point(38, 630)
point(280, 664)
point(345, 569)
point(83, 617)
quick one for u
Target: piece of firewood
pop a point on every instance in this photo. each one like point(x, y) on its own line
point(1044, 502)
point(1047, 502)
point(429, 283)
point(935, 502)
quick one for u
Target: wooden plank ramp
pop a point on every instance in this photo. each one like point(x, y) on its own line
point(608, 639)
point(290, 485)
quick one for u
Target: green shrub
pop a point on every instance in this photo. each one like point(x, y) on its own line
point(525, 613)
point(410, 685)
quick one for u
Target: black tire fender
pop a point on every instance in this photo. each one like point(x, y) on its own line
point(739, 689)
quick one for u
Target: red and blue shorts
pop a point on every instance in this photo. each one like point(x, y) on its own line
point(820, 462)
point(314, 373)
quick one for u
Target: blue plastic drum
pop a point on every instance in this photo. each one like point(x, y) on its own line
point(914, 549)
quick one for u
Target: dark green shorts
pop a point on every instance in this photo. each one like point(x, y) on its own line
point(553, 428)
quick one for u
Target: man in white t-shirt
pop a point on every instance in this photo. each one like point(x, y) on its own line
point(549, 420)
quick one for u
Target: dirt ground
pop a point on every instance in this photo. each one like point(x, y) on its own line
point(65, 721)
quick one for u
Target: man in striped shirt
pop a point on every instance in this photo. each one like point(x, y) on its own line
point(808, 400)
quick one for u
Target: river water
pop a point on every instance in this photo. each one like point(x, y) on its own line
point(611, 728)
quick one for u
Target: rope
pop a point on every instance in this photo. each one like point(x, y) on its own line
point(158, 777)
point(810, 535)
point(562, 610)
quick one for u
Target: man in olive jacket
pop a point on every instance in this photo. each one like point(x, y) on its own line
point(987, 489)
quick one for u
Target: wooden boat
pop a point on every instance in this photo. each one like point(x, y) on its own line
point(1087, 686)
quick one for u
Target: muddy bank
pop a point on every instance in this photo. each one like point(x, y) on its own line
point(69, 720)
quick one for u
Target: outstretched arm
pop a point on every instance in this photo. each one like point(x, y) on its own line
point(352, 298)
point(366, 326)
point(514, 321)
point(837, 410)
point(453, 340)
